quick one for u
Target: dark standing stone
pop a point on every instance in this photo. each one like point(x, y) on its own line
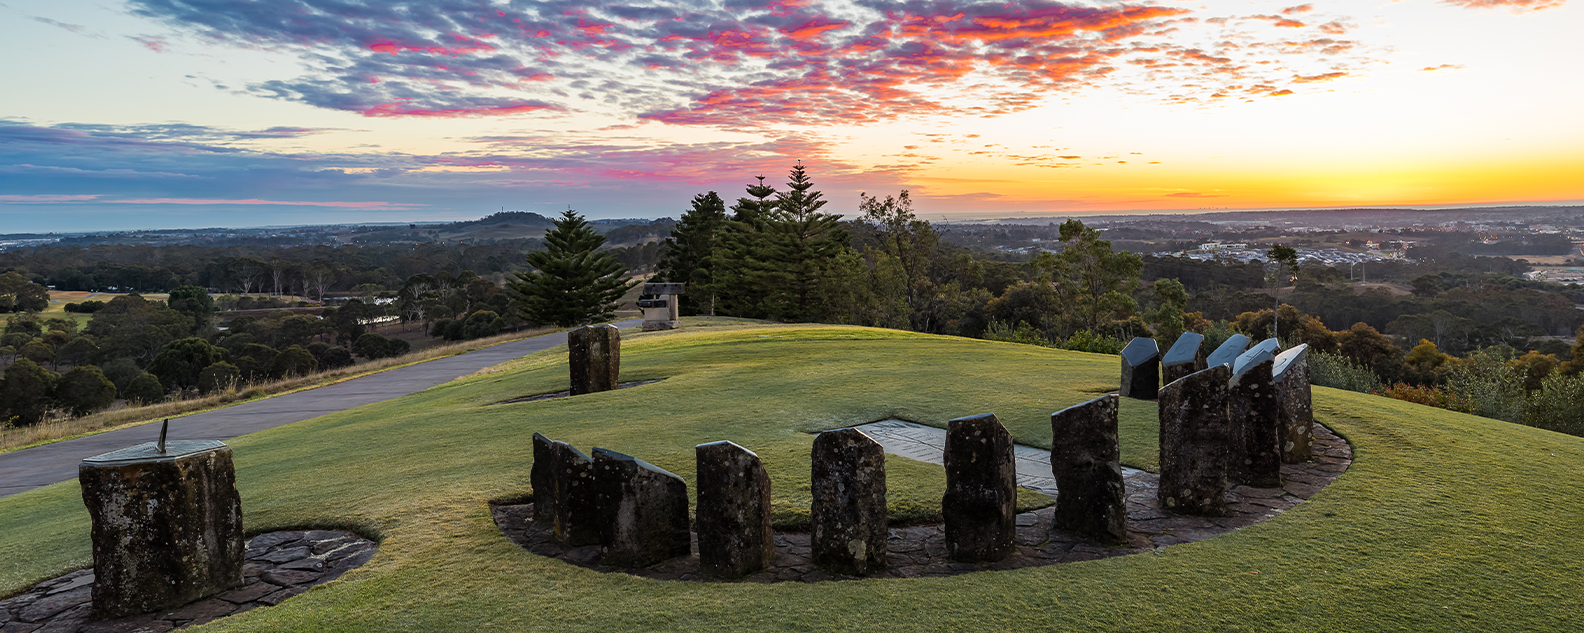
point(1228, 352)
point(848, 512)
point(542, 477)
point(1296, 407)
point(594, 353)
point(643, 511)
point(1091, 499)
point(1252, 407)
point(1140, 369)
point(733, 515)
point(1186, 356)
point(1195, 441)
point(167, 528)
point(578, 518)
point(980, 504)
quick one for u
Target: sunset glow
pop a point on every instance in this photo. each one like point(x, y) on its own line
point(277, 113)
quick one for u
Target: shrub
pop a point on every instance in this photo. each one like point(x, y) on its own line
point(84, 390)
point(218, 376)
point(178, 363)
point(144, 389)
point(293, 361)
point(1331, 370)
point(25, 391)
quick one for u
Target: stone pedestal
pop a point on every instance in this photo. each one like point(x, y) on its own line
point(980, 504)
point(594, 353)
point(1195, 442)
point(1091, 499)
point(1252, 407)
point(733, 515)
point(848, 516)
point(1228, 351)
point(1186, 356)
point(1296, 411)
point(167, 527)
point(643, 511)
point(660, 312)
point(1140, 369)
point(565, 497)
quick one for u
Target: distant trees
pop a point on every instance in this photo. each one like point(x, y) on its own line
point(19, 294)
point(571, 283)
point(691, 254)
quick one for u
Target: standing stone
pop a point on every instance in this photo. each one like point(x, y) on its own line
point(643, 511)
point(1140, 369)
point(1091, 499)
point(1186, 356)
point(980, 504)
point(733, 513)
point(1195, 442)
point(167, 526)
point(1253, 408)
point(565, 498)
point(1297, 413)
point(848, 512)
point(1228, 351)
point(594, 352)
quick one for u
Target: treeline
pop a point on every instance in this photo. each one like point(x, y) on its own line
point(307, 271)
point(148, 351)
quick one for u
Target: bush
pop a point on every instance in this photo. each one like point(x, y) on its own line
point(1086, 341)
point(1331, 370)
point(1024, 333)
point(25, 392)
point(86, 307)
point(370, 345)
point(482, 324)
point(144, 389)
point(330, 356)
point(218, 376)
point(178, 363)
point(293, 361)
point(84, 390)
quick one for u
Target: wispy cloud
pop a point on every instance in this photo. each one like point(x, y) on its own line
point(748, 65)
point(1516, 6)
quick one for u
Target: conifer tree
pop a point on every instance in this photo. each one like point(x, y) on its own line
point(798, 245)
point(571, 284)
point(739, 278)
point(691, 255)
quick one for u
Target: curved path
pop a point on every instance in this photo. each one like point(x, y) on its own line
point(40, 466)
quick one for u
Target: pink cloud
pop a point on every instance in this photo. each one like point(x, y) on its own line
point(42, 198)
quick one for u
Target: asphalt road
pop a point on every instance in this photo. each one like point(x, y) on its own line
point(40, 466)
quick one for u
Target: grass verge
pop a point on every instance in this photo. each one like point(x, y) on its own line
point(1444, 522)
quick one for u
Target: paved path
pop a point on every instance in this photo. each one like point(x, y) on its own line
point(928, 444)
point(40, 466)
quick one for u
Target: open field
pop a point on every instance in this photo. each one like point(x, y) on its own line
point(1444, 522)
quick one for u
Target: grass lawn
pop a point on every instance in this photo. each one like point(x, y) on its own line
point(1445, 522)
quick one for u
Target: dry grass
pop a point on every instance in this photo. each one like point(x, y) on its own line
point(63, 427)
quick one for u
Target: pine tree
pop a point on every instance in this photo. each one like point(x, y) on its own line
point(571, 284)
point(739, 277)
point(799, 245)
point(691, 253)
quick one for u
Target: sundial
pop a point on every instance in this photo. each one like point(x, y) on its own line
point(161, 450)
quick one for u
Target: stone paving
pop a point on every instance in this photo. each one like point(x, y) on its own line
point(920, 551)
point(279, 565)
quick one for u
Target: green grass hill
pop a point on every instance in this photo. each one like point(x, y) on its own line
point(1444, 522)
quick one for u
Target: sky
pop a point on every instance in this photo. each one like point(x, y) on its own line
point(201, 113)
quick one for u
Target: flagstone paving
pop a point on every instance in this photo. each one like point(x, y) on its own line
point(918, 551)
point(279, 565)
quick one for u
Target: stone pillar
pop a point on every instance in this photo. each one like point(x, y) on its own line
point(565, 498)
point(643, 511)
point(848, 514)
point(1297, 413)
point(167, 526)
point(980, 504)
point(1186, 356)
point(1195, 442)
point(733, 514)
point(1091, 499)
point(1252, 407)
point(594, 352)
point(660, 313)
point(1140, 369)
point(1228, 352)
